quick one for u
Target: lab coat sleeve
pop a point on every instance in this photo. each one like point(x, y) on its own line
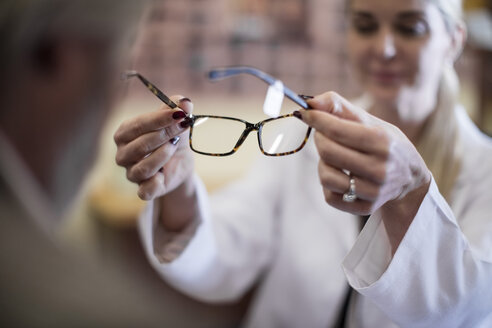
point(226, 248)
point(441, 273)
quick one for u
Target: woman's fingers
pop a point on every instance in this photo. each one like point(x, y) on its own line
point(184, 103)
point(345, 142)
point(358, 207)
point(367, 139)
point(144, 145)
point(331, 102)
point(384, 164)
point(138, 138)
point(151, 188)
point(149, 122)
point(365, 165)
point(149, 147)
point(337, 181)
point(348, 138)
point(151, 164)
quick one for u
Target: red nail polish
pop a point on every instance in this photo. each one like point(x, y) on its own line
point(186, 123)
point(179, 115)
point(297, 114)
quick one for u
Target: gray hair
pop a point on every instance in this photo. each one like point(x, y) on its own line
point(23, 23)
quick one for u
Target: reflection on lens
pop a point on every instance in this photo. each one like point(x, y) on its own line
point(200, 121)
point(283, 135)
point(276, 144)
point(215, 135)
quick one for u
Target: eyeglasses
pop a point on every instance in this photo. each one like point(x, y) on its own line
point(213, 135)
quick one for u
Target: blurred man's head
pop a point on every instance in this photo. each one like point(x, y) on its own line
point(60, 62)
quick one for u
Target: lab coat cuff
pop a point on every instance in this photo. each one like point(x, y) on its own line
point(369, 265)
point(182, 253)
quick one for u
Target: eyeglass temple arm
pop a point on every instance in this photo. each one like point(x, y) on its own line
point(155, 90)
point(225, 72)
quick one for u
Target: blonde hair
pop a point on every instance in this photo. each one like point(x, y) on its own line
point(439, 144)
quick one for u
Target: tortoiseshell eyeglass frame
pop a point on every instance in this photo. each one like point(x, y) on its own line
point(221, 73)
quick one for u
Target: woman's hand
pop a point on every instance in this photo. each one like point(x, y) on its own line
point(388, 171)
point(153, 147)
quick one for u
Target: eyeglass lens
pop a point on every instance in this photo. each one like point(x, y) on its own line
point(283, 135)
point(220, 136)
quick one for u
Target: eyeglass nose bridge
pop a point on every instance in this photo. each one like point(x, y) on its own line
point(249, 127)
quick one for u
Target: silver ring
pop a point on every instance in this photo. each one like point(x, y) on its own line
point(350, 196)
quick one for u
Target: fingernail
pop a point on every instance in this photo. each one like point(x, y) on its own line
point(184, 99)
point(179, 115)
point(174, 140)
point(186, 123)
point(306, 97)
point(297, 114)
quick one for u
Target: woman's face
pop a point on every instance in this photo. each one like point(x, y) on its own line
point(398, 48)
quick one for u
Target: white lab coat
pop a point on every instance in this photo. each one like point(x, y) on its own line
point(275, 225)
